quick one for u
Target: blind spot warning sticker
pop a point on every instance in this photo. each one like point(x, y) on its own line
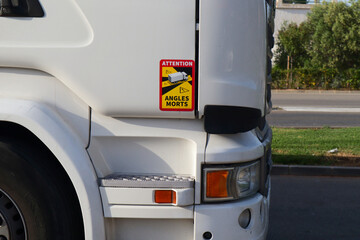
point(177, 85)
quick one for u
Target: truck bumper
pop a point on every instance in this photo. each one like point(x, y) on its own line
point(221, 221)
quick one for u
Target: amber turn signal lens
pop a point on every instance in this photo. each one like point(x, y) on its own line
point(165, 196)
point(216, 184)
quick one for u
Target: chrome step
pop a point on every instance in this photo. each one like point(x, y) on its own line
point(148, 181)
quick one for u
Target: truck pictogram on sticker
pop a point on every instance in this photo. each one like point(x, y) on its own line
point(177, 85)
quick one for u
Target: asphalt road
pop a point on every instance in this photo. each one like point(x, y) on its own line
point(334, 99)
point(280, 118)
point(314, 208)
point(315, 109)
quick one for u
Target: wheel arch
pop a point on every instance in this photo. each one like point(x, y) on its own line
point(42, 124)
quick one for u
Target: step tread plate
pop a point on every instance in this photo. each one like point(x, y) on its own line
point(148, 181)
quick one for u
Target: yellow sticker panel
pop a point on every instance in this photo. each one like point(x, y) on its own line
point(177, 86)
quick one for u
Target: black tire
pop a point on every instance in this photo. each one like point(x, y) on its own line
point(38, 188)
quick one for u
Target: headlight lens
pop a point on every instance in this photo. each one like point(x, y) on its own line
point(248, 179)
point(231, 182)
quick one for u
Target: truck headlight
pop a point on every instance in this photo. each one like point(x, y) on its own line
point(230, 182)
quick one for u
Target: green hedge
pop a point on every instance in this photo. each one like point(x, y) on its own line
point(315, 78)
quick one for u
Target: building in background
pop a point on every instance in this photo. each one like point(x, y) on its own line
point(288, 11)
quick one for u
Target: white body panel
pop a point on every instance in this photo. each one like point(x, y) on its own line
point(101, 56)
point(47, 108)
point(235, 148)
point(45, 89)
point(190, 223)
point(148, 212)
point(58, 118)
point(148, 146)
point(93, 100)
point(154, 146)
point(135, 229)
point(223, 219)
point(232, 53)
point(67, 147)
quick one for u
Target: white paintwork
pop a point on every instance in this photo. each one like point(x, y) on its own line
point(152, 229)
point(43, 88)
point(133, 153)
point(232, 53)
point(151, 146)
point(64, 26)
point(233, 148)
point(101, 61)
point(99, 50)
point(42, 104)
point(148, 146)
point(68, 148)
point(184, 197)
point(149, 212)
point(142, 196)
point(222, 219)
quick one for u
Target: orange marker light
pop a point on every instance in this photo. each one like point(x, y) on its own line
point(216, 184)
point(165, 196)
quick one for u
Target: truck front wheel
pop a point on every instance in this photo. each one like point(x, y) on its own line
point(36, 202)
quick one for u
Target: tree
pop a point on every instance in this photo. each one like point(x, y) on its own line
point(329, 38)
point(335, 30)
point(292, 41)
point(280, 56)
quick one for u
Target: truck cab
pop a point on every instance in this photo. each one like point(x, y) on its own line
point(135, 119)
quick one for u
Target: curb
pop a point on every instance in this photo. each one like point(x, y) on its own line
point(301, 170)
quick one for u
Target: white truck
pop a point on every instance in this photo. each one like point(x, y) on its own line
point(98, 142)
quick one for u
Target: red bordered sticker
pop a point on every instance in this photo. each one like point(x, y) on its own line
point(177, 85)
